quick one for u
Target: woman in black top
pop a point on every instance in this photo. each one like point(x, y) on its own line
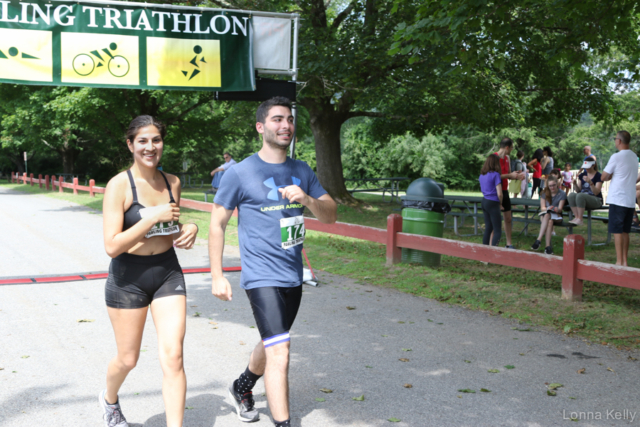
point(587, 190)
point(141, 211)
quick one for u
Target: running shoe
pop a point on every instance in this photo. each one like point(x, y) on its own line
point(112, 413)
point(548, 250)
point(536, 245)
point(245, 405)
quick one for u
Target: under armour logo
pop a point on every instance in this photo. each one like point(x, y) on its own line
point(274, 194)
point(179, 288)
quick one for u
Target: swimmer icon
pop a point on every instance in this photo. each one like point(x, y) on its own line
point(84, 64)
point(13, 52)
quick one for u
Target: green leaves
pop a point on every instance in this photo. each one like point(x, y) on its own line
point(359, 398)
point(493, 371)
point(466, 390)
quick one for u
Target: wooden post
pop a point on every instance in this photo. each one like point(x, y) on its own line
point(46, 182)
point(394, 226)
point(12, 175)
point(40, 180)
point(573, 251)
point(75, 186)
point(24, 177)
point(60, 184)
point(92, 183)
point(31, 179)
point(53, 183)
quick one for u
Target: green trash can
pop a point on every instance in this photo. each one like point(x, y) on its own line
point(422, 214)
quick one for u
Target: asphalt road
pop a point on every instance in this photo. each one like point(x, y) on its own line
point(52, 366)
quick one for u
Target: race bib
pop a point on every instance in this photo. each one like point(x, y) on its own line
point(161, 228)
point(292, 231)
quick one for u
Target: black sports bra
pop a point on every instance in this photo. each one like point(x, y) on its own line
point(132, 215)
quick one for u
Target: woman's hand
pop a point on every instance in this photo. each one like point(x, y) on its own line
point(162, 213)
point(187, 236)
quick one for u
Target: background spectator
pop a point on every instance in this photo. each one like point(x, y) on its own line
point(567, 178)
point(536, 165)
point(491, 187)
point(588, 190)
point(587, 152)
point(551, 205)
point(622, 170)
point(219, 171)
point(547, 165)
point(517, 186)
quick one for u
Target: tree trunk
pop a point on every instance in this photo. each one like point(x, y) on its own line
point(325, 125)
point(18, 161)
point(68, 159)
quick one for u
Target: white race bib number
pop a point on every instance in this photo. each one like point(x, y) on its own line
point(292, 231)
point(161, 228)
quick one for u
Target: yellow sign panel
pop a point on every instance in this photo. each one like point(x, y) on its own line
point(100, 59)
point(183, 62)
point(26, 55)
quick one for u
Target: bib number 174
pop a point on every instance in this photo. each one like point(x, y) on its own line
point(292, 231)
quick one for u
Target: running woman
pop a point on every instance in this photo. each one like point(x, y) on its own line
point(141, 211)
point(271, 192)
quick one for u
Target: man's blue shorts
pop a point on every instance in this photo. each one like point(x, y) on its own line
point(620, 219)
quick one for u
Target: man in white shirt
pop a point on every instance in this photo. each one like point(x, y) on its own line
point(622, 170)
point(228, 162)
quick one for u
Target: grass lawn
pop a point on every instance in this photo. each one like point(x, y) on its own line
point(608, 314)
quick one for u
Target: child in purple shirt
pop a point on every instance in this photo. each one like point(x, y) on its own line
point(491, 187)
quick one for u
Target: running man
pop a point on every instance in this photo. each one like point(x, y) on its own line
point(270, 191)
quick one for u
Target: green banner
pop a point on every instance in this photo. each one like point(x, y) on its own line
point(125, 45)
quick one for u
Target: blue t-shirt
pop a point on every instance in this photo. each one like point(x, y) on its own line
point(252, 186)
point(488, 184)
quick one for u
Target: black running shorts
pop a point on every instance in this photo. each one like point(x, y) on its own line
point(275, 309)
point(620, 219)
point(134, 280)
point(506, 201)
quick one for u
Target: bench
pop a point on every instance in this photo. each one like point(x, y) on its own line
point(211, 191)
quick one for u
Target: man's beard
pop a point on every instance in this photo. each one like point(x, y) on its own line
point(271, 139)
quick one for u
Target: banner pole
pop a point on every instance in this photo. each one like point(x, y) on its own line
point(294, 78)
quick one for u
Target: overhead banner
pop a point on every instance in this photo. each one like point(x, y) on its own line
point(125, 45)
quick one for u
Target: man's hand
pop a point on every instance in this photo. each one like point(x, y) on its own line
point(295, 194)
point(221, 289)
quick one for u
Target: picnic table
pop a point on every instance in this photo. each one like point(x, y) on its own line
point(472, 205)
point(393, 187)
point(187, 181)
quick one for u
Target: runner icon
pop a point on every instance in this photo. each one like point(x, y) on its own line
point(84, 64)
point(13, 52)
point(197, 50)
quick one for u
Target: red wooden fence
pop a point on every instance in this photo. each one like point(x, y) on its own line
point(572, 266)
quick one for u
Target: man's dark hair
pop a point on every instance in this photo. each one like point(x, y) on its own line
point(625, 137)
point(226, 153)
point(520, 154)
point(141, 122)
point(506, 142)
point(263, 109)
point(548, 150)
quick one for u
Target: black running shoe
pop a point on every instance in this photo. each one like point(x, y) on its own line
point(536, 245)
point(548, 250)
point(245, 405)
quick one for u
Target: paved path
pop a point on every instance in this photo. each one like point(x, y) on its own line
point(53, 366)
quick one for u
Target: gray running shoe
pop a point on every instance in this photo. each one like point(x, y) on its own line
point(112, 413)
point(244, 404)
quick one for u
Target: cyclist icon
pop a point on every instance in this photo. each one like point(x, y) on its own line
point(13, 52)
point(197, 50)
point(84, 64)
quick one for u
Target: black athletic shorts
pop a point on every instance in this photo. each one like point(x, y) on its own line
point(275, 309)
point(620, 219)
point(506, 201)
point(135, 280)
